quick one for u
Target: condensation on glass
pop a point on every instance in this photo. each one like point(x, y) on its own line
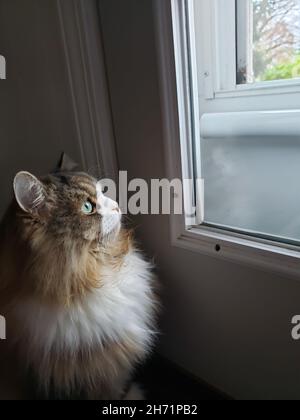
point(251, 185)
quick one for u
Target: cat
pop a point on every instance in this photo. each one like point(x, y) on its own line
point(78, 297)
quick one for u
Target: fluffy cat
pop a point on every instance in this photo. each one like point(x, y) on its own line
point(77, 296)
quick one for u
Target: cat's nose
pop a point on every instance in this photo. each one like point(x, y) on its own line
point(106, 205)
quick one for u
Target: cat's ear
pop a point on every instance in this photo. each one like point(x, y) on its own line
point(66, 164)
point(29, 192)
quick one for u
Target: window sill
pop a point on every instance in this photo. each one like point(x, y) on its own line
point(285, 123)
point(258, 89)
point(265, 255)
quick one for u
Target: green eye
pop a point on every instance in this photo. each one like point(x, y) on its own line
point(87, 208)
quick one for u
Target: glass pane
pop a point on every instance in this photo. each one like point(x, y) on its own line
point(251, 185)
point(268, 40)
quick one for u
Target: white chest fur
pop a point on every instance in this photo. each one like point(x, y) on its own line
point(121, 309)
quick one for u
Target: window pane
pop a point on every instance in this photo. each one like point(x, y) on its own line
point(251, 181)
point(268, 40)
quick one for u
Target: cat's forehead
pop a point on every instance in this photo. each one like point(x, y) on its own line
point(80, 182)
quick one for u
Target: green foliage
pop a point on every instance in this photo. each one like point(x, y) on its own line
point(287, 70)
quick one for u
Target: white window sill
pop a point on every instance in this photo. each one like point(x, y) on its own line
point(265, 255)
point(284, 123)
point(279, 87)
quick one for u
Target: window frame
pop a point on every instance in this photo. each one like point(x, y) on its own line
point(176, 97)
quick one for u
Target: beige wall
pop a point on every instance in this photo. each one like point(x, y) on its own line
point(228, 324)
point(36, 117)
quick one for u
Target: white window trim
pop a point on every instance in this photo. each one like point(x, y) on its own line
point(223, 25)
point(262, 254)
point(275, 87)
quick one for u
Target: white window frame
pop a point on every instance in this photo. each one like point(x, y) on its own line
point(178, 85)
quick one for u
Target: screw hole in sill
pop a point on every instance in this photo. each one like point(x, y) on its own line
point(218, 248)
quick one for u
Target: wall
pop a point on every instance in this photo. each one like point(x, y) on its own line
point(227, 324)
point(36, 116)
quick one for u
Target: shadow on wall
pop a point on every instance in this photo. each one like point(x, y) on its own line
point(36, 114)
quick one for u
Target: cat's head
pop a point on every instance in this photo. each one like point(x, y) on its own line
point(67, 205)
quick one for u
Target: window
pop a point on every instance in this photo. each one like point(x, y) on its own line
point(268, 40)
point(247, 45)
point(249, 145)
point(239, 128)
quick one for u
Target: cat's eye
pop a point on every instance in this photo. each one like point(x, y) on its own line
point(88, 208)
